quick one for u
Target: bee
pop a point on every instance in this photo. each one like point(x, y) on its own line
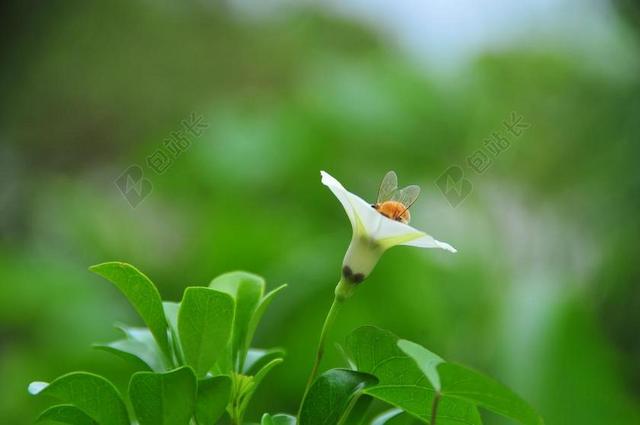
point(394, 203)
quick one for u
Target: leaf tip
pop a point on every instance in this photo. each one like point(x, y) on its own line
point(36, 387)
point(97, 268)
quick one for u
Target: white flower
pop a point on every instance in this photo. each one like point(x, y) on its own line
point(373, 233)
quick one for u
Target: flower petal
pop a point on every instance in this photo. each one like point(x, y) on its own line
point(341, 193)
point(370, 219)
point(427, 241)
point(391, 229)
point(393, 233)
point(387, 232)
point(362, 216)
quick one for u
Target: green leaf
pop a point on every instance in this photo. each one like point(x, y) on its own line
point(246, 289)
point(265, 302)
point(359, 411)
point(262, 373)
point(461, 382)
point(213, 397)
point(171, 311)
point(142, 294)
point(332, 395)
point(402, 383)
point(256, 381)
point(258, 358)
point(164, 398)
point(343, 353)
point(385, 417)
point(425, 359)
point(205, 321)
point(279, 419)
point(66, 414)
point(93, 394)
point(466, 384)
point(138, 347)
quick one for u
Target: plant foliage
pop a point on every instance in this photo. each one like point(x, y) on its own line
point(196, 366)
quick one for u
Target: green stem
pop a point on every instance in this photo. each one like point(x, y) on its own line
point(236, 392)
point(328, 323)
point(434, 408)
point(345, 415)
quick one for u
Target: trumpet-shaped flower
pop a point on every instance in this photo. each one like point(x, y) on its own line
point(373, 234)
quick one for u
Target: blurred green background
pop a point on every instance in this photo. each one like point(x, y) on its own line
point(543, 293)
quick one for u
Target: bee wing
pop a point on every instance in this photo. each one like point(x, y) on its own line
point(388, 187)
point(408, 195)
